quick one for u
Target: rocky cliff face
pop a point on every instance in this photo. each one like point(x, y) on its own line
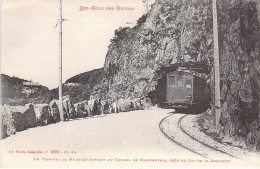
point(181, 31)
point(239, 32)
point(137, 59)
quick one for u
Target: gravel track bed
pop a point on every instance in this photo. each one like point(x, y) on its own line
point(190, 125)
point(170, 127)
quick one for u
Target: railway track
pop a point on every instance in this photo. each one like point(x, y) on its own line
point(183, 139)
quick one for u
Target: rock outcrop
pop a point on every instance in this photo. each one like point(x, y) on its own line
point(43, 114)
point(17, 118)
point(239, 32)
point(82, 109)
point(7, 125)
point(30, 117)
point(68, 108)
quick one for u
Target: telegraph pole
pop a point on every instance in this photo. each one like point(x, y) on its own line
point(216, 65)
point(60, 64)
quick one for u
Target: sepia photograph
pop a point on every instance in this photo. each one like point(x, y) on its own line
point(130, 83)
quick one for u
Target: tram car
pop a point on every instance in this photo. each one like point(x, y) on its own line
point(186, 91)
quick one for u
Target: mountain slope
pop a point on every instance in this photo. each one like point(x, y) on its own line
point(84, 84)
point(91, 77)
point(12, 91)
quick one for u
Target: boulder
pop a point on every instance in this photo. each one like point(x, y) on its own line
point(81, 109)
point(38, 110)
point(19, 121)
point(54, 105)
point(30, 117)
point(253, 137)
point(46, 115)
point(17, 115)
point(3, 130)
point(7, 125)
point(111, 109)
point(43, 115)
point(146, 103)
point(137, 104)
point(68, 108)
point(55, 114)
point(105, 107)
point(94, 107)
point(88, 109)
point(114, 108)
point(99, 107)
point(125, 105)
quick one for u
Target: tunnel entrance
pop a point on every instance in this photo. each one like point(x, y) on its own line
point(158, 96)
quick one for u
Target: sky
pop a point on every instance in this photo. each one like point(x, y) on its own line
point(30, 42)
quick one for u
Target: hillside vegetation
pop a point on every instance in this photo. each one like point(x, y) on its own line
point(85, 83)
point(11, 91)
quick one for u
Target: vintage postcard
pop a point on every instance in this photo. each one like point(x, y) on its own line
point(130, 84)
